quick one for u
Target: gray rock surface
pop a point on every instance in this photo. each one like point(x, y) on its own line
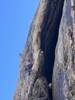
point(36, 67)
point(64, 67)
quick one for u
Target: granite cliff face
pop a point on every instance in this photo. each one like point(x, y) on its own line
point(38, 79)
point(64, 67)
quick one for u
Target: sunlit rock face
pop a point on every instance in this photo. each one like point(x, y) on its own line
point(64, 67)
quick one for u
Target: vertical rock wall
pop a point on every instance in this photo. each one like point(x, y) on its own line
point(64, 67)
point(32, 85)
point(37, 60)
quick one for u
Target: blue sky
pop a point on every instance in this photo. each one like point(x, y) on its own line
point(15, 19)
